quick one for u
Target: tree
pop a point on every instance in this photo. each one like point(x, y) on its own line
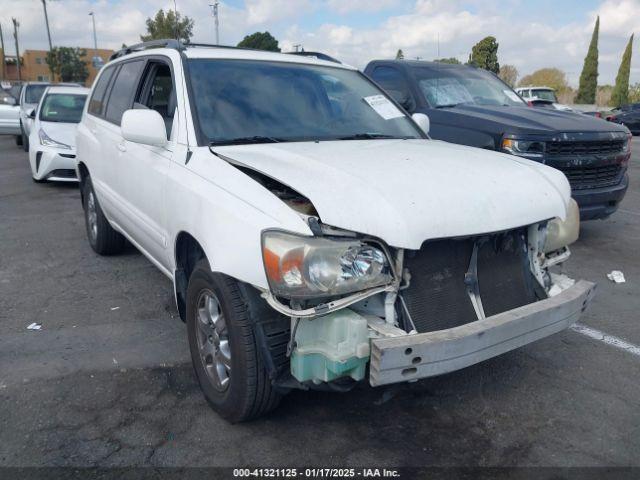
point(67, 64)
point(484, 54)
point(509, 74)
point(168, 25)
point(400, 55)
point(546, 77)
point(451, 60)
point(589, 75)
point(620, 95)
point(634, 93)
point(260, 41)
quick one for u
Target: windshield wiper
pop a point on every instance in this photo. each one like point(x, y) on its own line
point(246, 140)
point(367, 136)
point(449, 105)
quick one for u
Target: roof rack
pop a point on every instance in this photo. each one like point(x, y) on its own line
point(318, 55)
point(178, 45)
point(164, 43)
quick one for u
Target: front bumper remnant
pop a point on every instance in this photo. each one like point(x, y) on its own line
point(411, 357)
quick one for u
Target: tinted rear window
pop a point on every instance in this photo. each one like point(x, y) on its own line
point(123, 90)
point(96, 104)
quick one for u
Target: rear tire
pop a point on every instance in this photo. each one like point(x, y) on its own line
point(102, 237)
point(25, 139)
point(223, 347)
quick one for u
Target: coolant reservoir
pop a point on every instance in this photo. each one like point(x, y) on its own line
point(329, 347)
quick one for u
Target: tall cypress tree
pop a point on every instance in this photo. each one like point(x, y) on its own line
point(620, 95)
point(589, 75)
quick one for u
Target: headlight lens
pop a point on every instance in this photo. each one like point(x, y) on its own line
point(314, 267)
point(523, 148)
point(47, 141)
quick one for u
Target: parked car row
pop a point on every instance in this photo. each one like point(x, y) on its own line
point(44, 121)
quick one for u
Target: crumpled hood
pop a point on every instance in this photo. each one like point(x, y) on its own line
point(409, 191)
point(61, 132)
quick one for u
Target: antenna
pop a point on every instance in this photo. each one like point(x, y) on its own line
point(297, 47)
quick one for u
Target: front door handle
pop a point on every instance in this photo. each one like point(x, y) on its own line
point(122, 147)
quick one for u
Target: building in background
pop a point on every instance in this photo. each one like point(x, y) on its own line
point(34, 66)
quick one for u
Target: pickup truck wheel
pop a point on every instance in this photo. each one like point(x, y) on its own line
point(102, 237)
point(223, 347)
point(19, 140)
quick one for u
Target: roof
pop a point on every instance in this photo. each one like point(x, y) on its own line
point(194, 50)
point(533, 86)
point(68, 89)
point(422, 63)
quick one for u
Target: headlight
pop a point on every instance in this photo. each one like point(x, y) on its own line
point(523, 148)
point(47, 141)
point(314, 267)
point(559, 233)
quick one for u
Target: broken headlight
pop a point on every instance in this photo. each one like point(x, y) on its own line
point(315, 267)
point(523, 148)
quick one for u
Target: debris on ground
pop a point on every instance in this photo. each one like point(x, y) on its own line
point(34, 326)
point(616, 276)
point(115, 308)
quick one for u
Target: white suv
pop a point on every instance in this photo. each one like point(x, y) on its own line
point(314, 234)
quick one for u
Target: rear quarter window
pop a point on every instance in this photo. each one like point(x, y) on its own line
point(123, 90)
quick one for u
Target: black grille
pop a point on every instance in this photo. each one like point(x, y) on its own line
point(597, 147)
point(581, 178)
point(63, 173)
point(437, 298)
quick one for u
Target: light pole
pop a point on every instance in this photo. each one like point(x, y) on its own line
point(96, 60)
point(214, 11)
point(2, 47)
point(46, 20)
point(16, 24)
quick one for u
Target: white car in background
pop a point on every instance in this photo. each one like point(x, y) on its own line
point(542, 95)
point(54, 123)
point(30, 96)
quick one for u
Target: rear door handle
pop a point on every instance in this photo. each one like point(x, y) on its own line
point(122, 147)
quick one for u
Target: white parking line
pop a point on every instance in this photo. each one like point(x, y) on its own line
point(606, 338)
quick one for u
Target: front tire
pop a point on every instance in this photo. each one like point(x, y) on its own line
point(19, 140)
point(223, 347)
point(102, 237)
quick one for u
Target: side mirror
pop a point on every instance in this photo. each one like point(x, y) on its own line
point(144, 126)
point(422, 120)
point(32, 113)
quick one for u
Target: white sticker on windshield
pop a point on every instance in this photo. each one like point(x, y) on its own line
point(513, 96)
point(383, 107)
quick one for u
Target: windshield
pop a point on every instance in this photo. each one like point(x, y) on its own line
point(544, 94)
point(449, 87)
point(240, 101)
point(33, 94)
point(62, 107)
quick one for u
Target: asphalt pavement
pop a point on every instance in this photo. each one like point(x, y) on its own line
point(107, 381)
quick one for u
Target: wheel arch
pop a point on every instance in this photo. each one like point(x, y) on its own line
point(187, 252)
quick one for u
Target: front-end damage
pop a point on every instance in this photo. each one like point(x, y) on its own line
point(358, 305)
point(453, 303)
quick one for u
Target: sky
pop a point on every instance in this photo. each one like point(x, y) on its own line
point(532, 34)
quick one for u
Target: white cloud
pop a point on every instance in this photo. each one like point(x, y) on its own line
point(528, 43)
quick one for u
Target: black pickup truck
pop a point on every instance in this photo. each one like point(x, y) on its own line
point(473, 107)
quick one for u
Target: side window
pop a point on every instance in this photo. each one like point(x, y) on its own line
point(96, 104)
point(123, 90)
point(158, 93)
point(394, 84)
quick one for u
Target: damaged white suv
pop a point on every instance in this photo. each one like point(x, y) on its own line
point(315, 236)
